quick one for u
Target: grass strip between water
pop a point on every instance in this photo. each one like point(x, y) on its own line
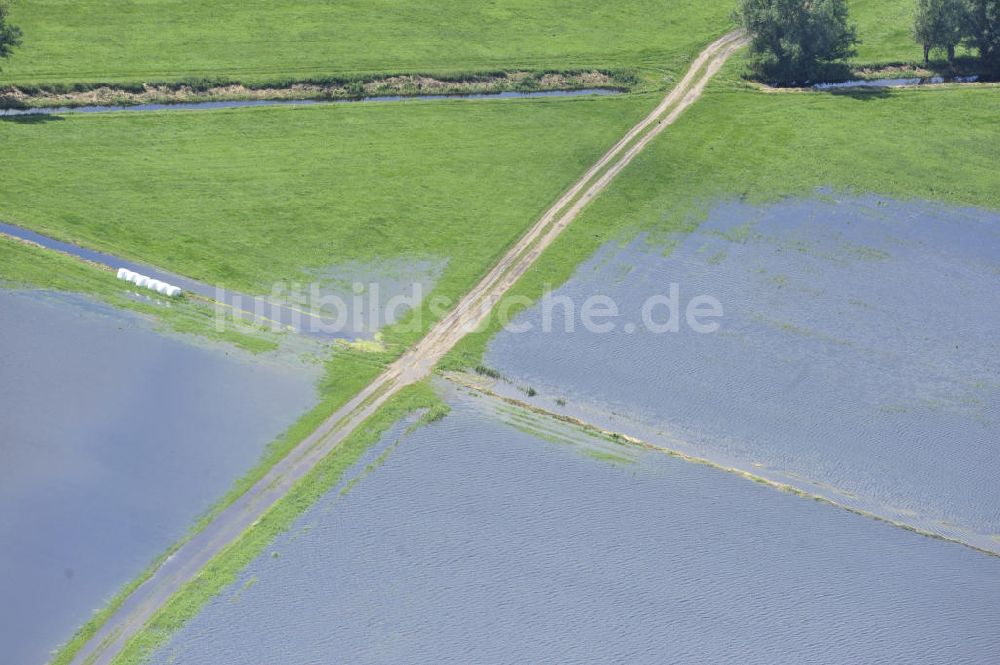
point(630, 441)
point(26, 265)
point(346, 374)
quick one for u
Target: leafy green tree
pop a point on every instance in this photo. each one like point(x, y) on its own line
point(10, 35)
point(940, 24)
point(793, 39)
point(984, 31)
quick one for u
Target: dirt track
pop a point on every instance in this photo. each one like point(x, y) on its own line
point(415, 365)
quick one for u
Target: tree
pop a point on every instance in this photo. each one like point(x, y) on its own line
point(792, 39)
point(940, 24)
point(984, 31)
point(10, 35)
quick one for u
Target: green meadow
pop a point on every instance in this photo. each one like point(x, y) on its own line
point(167, 40)
point(285, 40)
point(886, 31)
point(247, 197)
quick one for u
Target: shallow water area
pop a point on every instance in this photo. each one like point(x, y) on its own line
point(113, 439)
point(497, 536)
point(857, 357)
point(894, 83)
point(359, 299)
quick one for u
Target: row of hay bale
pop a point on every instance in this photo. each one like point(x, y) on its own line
point(149, 283)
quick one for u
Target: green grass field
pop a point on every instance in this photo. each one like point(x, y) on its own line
point(250, 196)
point(936, 144)
point(885, 28)
point(166, 40)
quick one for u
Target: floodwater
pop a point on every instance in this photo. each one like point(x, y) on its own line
point(113, 440)
point(352, 301)
point(493, 536)
point(894, 83)
point(209, 106)
point(858, 356)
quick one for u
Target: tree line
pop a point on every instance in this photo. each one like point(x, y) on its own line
point(10, 35)
point(799, 40)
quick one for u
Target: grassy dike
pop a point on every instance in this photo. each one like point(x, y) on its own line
point(224, 569)
point(737, 143)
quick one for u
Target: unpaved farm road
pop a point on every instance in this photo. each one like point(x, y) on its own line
point(416, 364)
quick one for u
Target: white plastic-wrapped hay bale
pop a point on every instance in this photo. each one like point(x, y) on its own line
point(142, 281)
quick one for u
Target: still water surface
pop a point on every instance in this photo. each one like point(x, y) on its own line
point(858, 355)
point(495, 537)
point(113, 439)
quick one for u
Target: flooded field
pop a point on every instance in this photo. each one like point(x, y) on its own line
point(894, 83)
point(113, 440)
point(857, 357)
point(496, 536)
